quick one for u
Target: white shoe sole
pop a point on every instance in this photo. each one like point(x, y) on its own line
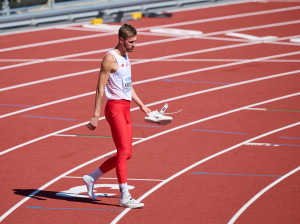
point(160, 120)
point(140, 205)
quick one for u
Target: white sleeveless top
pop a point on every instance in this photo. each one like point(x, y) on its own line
point(118, 86)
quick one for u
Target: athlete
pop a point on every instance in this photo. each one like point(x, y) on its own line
point(115, 82)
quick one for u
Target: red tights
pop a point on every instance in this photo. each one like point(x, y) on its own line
point(117, 113)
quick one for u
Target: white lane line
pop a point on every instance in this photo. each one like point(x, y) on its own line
point(136, 62)
point(229, 17)
point(252, 200)
point(255, 109)
point(142, 44)
point(158, 102)
point(179, 32)
point(71, 60)
point(166, 59)
point(158, 78)
point(47, 104)
point(221, 38)
point(113, 178)
point(172, 60)
point(295, 40)
point(228, 60)
point(147, 28)
point(269, 1)
point(159, 41)
point(67, 26)
point(137, 142)
point(56, 41)
point(84, 53)
point(253, 28)
point(200, 162)
point(251, 37)
point(48, 79)
point(88, 136)
point(283, 43)
point(261, 144)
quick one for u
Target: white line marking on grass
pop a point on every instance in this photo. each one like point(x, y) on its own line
point(137, 142)
point(200, 162)
point(252, 200)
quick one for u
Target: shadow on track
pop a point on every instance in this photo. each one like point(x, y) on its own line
point(44, 195)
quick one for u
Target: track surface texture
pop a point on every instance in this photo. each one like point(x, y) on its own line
point(232, 155)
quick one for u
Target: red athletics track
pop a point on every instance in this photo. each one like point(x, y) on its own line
point(231, 155)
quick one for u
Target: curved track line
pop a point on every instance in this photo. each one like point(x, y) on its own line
point(169, 76)
point(162, 101)
point(135, 143)
point(252, 200)
point(198, 163)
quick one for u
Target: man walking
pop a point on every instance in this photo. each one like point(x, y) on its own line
point(115, 82)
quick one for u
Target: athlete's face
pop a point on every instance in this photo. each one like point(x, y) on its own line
point(129, 43)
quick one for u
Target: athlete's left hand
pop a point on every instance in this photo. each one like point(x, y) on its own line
point(146, 110)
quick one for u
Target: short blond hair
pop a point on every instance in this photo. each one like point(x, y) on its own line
point(126, 30)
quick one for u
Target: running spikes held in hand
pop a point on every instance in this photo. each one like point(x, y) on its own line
point(159, 117)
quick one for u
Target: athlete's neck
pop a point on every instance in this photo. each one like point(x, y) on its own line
point(121, 51)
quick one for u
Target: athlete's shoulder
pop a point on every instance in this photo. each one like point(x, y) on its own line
point(109, 63)
point(109, 57)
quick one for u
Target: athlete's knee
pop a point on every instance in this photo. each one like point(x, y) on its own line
point(124, 156)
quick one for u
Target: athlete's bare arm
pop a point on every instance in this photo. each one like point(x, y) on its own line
point(137, 100)
point(108, 65)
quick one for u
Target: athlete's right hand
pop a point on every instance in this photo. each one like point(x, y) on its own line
point(93, 123)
